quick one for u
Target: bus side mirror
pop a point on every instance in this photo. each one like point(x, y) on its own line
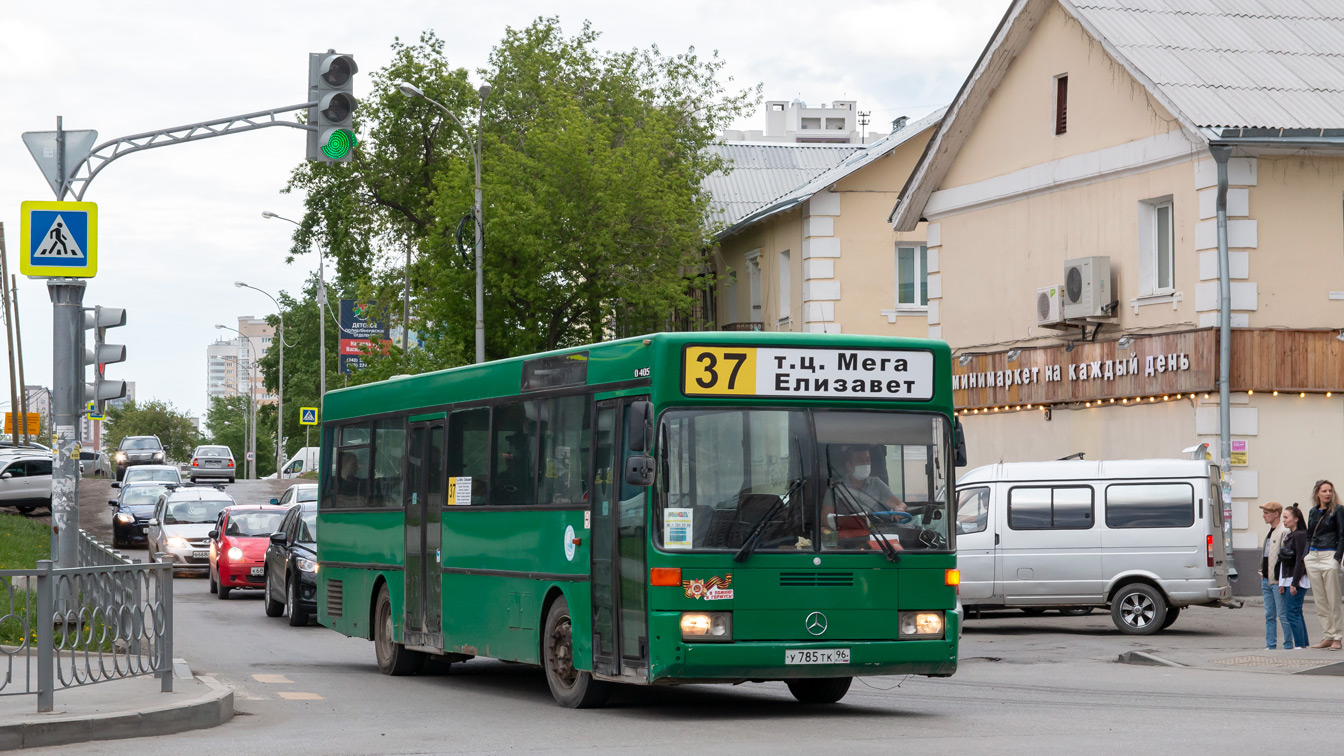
point(639, 470)
point(639, 427)
point(959, 442)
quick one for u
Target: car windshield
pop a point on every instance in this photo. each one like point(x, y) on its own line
point(812, 480)
point(161, 475)
point(307, 527)
point(214, 451)
point(254, 524)
point(194, 512)
point(140, 444)
point(307, 493)
point(137, 496)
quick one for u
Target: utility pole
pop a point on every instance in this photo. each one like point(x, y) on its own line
point(18, 343)
point(67, 394)
point(9, 339)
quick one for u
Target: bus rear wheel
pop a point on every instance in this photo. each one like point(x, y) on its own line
point(393, 658)
point(572, 688)
point(826, 690)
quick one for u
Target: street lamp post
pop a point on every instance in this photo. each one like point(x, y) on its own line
point(252, 402)
point(411, 90)
point(280, 400)
point(321, 315)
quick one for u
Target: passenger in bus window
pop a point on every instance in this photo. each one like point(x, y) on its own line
point(352, 484)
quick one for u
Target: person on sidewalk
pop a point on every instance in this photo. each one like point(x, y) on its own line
point(1291, 571)
point(1276, 609)
point(1325, 529)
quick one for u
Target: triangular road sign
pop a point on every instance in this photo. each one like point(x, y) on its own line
point(58, 242)
point(42, 145)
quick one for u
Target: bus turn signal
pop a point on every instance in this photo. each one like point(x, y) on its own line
point(952, 577)
point(665, 576)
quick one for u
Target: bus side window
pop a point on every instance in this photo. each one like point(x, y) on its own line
point(563, 468)
point(389, 449)
point(469, 450)
point(352, 467)
point(512, 478)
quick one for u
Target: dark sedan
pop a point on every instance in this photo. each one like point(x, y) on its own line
point(131, 511)
point(291, 566)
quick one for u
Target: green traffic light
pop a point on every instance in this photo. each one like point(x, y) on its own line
point(338, 143)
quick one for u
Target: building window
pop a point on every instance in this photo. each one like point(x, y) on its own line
point(1157, 244)
point(912, 276)
point(1061, 104)
point(785, 285)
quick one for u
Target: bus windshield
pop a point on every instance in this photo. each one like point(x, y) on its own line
point(813, 480)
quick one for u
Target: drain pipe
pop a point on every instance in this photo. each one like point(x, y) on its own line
point(1221, 153)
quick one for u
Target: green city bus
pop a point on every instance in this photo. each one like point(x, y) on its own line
point(704, 507)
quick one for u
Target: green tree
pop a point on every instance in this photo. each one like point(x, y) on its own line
point(592, 169)
point(175, 429)
point(227, 421)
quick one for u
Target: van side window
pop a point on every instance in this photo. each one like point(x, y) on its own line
point(1150, 505)
point(972, 510)
point(1050, 508)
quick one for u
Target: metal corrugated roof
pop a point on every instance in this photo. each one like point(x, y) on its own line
point(762, 172)
point(1233, 63)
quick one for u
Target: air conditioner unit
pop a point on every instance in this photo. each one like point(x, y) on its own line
point(1049, 306)
point(1087, 288)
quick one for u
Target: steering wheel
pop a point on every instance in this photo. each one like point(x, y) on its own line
point(897, 516)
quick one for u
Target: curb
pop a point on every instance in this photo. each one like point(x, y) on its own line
point(211, 709)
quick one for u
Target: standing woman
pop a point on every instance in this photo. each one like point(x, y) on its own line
point(1291, 569)
point(1325, 529)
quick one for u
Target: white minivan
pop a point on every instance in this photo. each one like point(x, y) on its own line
point(1142, 537)
point(304, 460)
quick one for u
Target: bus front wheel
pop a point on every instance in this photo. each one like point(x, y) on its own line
point(572, 688)
point(826, 690)
point(393, 658)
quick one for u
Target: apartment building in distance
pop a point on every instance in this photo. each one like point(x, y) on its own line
point(231, 364)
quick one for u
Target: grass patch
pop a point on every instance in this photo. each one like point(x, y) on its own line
point(23, 542)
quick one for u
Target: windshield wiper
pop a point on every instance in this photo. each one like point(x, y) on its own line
point(754, 536)
point(837, 488)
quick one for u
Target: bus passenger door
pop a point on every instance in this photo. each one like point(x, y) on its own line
point(620, 611)
point(424, 508)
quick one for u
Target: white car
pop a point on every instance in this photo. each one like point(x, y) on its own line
point(150, 474)
point(213, 462)
point(25, 481)
point(94, 464)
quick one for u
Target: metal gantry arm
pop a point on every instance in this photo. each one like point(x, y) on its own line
point(115, 148)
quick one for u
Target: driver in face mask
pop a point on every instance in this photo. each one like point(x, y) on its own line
point(868, 491)
point(861, 491)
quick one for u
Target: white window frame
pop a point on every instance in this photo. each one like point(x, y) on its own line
point(921, 288)
point(785, 287)
point(1149, 245)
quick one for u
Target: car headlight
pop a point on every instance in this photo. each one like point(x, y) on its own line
point(306, 565)
point(707, 626)
point(158, 455)
point(121, 456)
point(176, 543)
point(125, 518)
point(235, 552)
point(921, 624)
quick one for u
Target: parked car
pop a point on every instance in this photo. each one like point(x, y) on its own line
point(138, 450)
point(94, 464)
point(1141, 538)
point(25, 481)
point(213, 462)
point(291, 566)
point(131, 512)
point(181, 525)
point(238, 547)
point(151, 474)
point(299, 493)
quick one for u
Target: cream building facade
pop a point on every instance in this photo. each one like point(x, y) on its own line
point(1089, 130)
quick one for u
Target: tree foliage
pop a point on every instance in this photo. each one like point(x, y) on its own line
point(175, 429)
point(592, 164)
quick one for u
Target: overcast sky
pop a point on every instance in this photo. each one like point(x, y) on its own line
point(178, 225)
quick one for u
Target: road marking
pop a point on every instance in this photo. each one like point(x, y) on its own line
point(277, 679)
point(290, 695)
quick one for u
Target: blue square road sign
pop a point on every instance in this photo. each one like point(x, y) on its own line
point(58, 239)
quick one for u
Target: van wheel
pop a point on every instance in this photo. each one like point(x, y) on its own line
point(1172, 613)
point(572, 688)
point(393, 658)
point(1138, 609)
point(826, 690)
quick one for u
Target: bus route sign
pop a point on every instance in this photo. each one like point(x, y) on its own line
point(883, 374)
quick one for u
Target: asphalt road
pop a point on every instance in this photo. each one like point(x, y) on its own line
point(1027, 685)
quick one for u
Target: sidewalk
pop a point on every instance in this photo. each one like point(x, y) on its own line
point(128, 708)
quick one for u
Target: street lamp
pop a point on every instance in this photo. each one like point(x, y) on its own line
point(280, 402)
point(252, 400)
point(321, 314)
point(410, 90)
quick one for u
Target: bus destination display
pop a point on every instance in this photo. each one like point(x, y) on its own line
point(887, 374)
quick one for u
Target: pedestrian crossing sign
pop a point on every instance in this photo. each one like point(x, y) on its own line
point(58, 239)
point(307, 415)
point(93, 413)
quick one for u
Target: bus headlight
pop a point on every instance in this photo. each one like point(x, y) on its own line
point(921, 624)
point(707, 626)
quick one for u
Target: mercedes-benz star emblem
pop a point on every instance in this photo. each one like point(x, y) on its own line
point(815, 623)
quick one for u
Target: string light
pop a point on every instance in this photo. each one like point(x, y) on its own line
point(1089, 404)
point(1329, 394)
point(1112, 400)
point(1302, 395)
point(1123, 401)
point(1206, 396)
point(1276, 393)
point(1250, 392)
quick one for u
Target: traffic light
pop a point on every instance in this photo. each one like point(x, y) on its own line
point(100, 319)
point(331, 133)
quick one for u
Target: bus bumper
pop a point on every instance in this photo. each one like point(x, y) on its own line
point(764, 660)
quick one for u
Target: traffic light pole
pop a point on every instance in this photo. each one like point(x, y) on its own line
point(67, 393)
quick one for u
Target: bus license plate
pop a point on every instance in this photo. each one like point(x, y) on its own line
point(817, 656)
point(258, 571)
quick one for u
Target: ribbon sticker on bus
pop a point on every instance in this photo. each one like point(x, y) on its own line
point(678, 524)
point(712, 589)
point(883, 374)
point(459, 491)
